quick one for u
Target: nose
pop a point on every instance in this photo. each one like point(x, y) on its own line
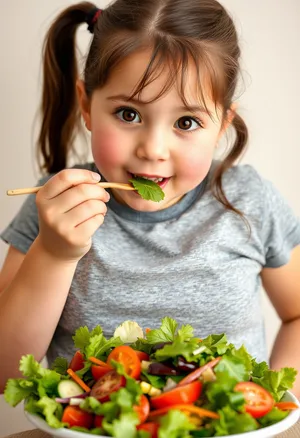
point(153, 146)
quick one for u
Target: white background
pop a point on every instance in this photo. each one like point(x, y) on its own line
point(270, 37)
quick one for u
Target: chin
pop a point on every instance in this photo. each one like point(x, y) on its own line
point(146, 206)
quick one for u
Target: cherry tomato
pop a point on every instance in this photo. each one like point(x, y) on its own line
point(98, 420)
point(142, 356)
point(76, 363)
point(74, 416)
point(197, 373)
point(258, 400)
point(107, 384)
point(152, 428)
point(142, 409)
point(180, 395)
point(99, 371)
point(128, 358)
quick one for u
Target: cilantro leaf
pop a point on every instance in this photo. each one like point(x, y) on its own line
point(17, 390)
point(147, 189)
point(178, 348)
point(166, 332)
point(233, 367)
point(60, 365)
point(52, 411)
point(82, 337)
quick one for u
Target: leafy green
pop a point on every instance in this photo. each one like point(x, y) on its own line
point(179, 347)
point(232, 422)
point(147, 189)
point(39, 381)
point(273, 417)
point(49, 409)
point(175, 425)
point(156, 381)
point(60, 365)
point(276, 382)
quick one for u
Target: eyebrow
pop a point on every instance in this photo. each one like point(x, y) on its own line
point(191, 108)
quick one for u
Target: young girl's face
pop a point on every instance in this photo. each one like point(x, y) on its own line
point(161, 140)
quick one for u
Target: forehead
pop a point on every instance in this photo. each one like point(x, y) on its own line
point(126, 76)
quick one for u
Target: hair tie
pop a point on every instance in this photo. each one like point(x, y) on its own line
point(92, 18)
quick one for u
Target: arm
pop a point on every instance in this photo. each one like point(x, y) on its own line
point(282, 285)
point(30, 306)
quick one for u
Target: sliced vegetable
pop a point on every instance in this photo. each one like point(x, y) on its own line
point(181, 394)
point(77, 362)
point(197, 373)
point(78, 380)
point(151, 428)
point(98, 420)
point(129, 332)
point(147, 388)
point(74, 416)
point(159, 369)
point(106, 385)
point(67, 400)
point(97, 361)
point(128, 358)
point(142, 356)
point(99, 371)
point(286, 406)
point(68, 389)
point(191, 409)
point(183, 365)
point(258, 400)
point(142, 409)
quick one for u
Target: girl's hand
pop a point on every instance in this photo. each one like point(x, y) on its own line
point(71, 207)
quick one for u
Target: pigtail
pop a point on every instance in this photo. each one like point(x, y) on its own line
point(59, 109)
point(235, 153)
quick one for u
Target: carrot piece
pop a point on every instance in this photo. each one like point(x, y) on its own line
point(147, 330)
point(78, 380)
point(286, 406)
point(98, 361)
point(188, 408)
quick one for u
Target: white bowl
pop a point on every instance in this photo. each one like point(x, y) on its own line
point(266, 432)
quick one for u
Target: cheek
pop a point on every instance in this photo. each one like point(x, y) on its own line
point(106, 148)
point(195, 164)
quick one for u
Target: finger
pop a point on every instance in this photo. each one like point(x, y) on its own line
point(75, 196)
point(84, 212)
point(66, 179)
point(90, 226)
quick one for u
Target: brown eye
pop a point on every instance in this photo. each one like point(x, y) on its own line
point(128, 115)
point(187, 124)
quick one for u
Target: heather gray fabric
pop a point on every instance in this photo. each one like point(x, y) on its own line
point(194, 262)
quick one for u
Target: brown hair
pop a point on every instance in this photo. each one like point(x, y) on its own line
point(178, 32)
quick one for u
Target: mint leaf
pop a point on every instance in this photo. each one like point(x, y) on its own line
point(147, 189)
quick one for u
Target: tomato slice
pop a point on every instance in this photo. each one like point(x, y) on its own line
point(128, 358)
point(99, 371)
point(286, 406)
point(107, 384)
point(74, 416)
point(150, 427)
point(181, 394)
point(98, 420)
point(142, 409)
point(258, 400)
point(197, 373)
point(77, 362)
point(142, 356)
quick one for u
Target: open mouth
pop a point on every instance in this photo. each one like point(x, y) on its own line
point(160, 180)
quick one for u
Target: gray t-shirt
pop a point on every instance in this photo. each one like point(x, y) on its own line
point(195, 262)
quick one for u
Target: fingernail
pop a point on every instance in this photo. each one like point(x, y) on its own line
point(96, 176)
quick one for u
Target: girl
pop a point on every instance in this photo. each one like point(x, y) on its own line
point(157, 96)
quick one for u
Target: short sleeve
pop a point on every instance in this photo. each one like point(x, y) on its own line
point(280, 227)
point(24, 228)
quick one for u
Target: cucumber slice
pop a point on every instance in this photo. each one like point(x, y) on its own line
point(68, 388)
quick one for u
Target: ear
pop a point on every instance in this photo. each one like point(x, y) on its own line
point(228, 119)
point(84, 103)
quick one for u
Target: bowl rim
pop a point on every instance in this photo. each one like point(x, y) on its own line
point(266, 432)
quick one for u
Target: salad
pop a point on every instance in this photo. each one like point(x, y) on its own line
point(165, 383)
